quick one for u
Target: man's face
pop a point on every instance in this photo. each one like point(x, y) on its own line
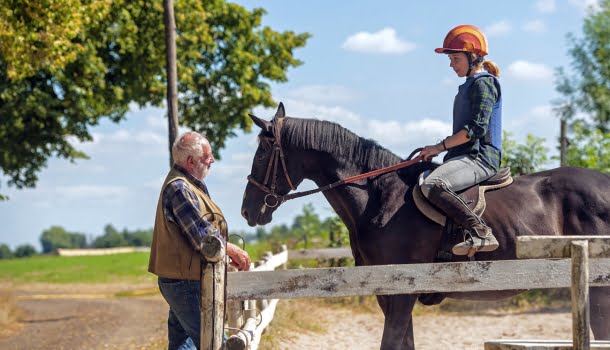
point(202, 164)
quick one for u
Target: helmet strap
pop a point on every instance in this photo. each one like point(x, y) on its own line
point(472, 63)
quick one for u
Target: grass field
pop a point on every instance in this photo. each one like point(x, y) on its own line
point(129, 267)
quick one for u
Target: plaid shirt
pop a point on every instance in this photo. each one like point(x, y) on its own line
point(181, 207)
point(483, 96)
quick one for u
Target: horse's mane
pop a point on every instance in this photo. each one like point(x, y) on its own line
point(329, 137)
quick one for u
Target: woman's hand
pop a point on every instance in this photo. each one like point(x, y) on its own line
point(431, 151)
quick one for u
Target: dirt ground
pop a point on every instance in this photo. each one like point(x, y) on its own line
point(98, 319)
point(349, 329)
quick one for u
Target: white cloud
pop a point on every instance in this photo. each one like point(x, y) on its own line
point(384, 41)
point(546, 6)
point(534, 26)
point(539, 121)
point(398, 133)
point(338, 114)
point(498, 28)
point(585, 5)
point(523, 70)
point(91, 192)
point(157, 122)
point(322, 93)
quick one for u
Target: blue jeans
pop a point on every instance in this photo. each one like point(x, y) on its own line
point(457, 174)
point(184, 321)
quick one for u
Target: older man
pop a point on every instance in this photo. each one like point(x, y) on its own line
point(185, 214)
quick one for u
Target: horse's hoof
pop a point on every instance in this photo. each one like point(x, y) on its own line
point(431, 298)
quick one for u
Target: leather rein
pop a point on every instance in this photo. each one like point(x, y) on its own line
point(273, 199)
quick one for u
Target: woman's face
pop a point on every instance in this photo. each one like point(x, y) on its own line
point(459, 63)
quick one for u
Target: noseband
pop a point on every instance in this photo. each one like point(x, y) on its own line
point(272, 199)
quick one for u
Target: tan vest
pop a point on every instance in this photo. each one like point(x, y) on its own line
point(171, 253)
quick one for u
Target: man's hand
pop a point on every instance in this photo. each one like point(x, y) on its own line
point(239, 257)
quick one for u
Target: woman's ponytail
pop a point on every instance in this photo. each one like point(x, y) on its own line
point(492, 68)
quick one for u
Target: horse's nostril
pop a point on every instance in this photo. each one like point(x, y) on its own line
point(244, 213)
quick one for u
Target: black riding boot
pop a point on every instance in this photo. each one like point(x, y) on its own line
point(477, 235)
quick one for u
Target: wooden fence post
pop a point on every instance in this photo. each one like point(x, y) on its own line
point(235, 312)
point(580, 295)
point(212, 293)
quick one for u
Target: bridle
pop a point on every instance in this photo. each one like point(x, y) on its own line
point(276, 154)
point(272, 199)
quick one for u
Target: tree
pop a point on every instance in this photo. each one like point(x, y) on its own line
point(110, 239)
point(24, 251)
point(114, 56)
point(589, 148)
point(57, 237)
point(138, 238)
point(5, 252)
point(523, 159)
point(587, 89)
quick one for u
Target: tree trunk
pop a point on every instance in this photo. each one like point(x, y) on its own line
point(170, 60)
point(563, 143)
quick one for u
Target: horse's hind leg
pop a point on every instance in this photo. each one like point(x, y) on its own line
point(398, 325)
point(599, 301)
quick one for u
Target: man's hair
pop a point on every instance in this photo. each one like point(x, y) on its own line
point(188, 144)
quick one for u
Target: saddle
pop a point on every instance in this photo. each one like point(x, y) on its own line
point(474, 196)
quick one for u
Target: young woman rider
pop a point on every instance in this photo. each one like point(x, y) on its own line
point(474, 150)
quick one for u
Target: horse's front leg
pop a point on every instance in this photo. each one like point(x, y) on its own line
point(600, 312)
point(398, 325)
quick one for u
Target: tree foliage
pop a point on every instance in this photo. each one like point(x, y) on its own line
point(589, 148)
point(24, 251)
point(523, 158)
point(57, 237)
point(67, 64)
point(587, 88)
point(5, 252)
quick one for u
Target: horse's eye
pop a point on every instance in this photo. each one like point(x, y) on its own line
point(260, 158)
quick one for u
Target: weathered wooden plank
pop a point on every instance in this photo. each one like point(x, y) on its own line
point(547, 247)
point(580, 295)
point(326, 253)
point(234, 311)
point(410, 279)
point(540, 345)
point(212, 305)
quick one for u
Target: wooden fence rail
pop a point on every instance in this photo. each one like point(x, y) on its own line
point(409, 279)
point(554, 271)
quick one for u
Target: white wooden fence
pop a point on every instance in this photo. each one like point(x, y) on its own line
point(553, 271)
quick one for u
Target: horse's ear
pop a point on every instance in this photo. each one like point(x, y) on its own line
point(281, 112)
point(263, 124)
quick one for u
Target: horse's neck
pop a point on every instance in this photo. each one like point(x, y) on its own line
point(348, 201)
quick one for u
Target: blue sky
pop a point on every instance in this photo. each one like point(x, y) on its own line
point(369, 66)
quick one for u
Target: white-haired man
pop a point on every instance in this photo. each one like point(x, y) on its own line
point(185, 214)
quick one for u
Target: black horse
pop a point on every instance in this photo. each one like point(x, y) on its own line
point(384, 224)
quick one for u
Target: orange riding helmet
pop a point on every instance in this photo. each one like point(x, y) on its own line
point(465, 38)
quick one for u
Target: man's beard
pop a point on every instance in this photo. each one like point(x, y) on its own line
point(205, 170)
